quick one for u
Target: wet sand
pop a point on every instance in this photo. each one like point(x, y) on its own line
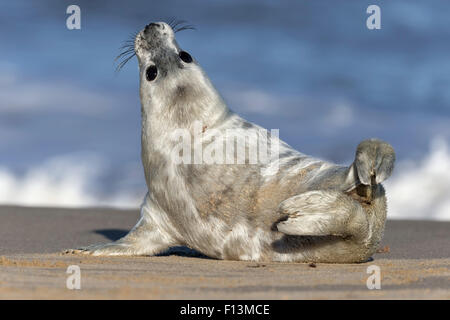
point(414, 263)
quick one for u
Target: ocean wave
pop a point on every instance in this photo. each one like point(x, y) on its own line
point(421, 189)
point(65, 181)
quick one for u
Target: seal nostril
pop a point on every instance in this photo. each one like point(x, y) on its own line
point(152, 24)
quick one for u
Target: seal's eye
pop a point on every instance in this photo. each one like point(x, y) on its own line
point(186, 57)
point(151, 73)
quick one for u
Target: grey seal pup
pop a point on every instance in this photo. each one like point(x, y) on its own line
point(291, 207)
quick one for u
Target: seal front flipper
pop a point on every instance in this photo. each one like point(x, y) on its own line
point(143, 239)
point(116, 248)
point(322, 213)
point(150, 236)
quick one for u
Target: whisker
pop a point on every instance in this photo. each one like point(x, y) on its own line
point(186, 27)
point(127, 47)
point(124, 62)
point(123, 54)
point(177, 23)
point(171, 21)
point(127, 51)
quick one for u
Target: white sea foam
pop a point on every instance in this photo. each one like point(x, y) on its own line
point(421, 189)
point(66, 181)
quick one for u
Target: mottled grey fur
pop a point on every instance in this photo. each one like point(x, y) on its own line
point(292, 208)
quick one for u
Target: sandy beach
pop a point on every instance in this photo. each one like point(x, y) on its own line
point(414, 260)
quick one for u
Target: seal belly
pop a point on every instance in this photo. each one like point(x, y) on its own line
point(240, 205)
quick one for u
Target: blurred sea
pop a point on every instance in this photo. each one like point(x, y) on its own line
point(70, 126)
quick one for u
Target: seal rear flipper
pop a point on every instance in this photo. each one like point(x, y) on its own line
point(351, 180)
point(321, 213)
point(374, 161)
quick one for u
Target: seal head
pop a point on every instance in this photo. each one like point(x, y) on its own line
point(171, 81)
